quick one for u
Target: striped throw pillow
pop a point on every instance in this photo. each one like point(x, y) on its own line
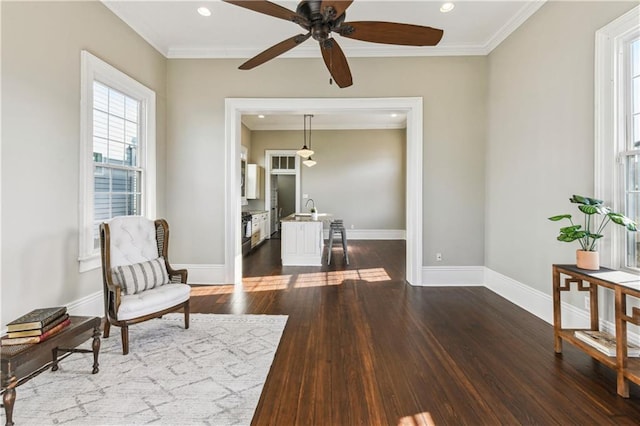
point(143, 276)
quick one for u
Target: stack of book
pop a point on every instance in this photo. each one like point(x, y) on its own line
point(605, 342)
point(36, 326)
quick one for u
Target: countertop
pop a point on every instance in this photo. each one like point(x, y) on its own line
point(306, 217)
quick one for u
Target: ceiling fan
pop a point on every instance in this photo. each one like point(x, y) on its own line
point(320, 18)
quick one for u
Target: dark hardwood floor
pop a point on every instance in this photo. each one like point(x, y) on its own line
point(362, 347)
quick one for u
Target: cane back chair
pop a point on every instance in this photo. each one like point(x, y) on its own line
point(138, 281)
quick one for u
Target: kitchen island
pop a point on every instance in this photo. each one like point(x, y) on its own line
point(302, 239)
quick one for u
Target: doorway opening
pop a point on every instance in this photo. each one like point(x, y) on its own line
point(412, 107)
point(282, 186)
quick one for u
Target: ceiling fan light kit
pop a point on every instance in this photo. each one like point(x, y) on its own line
point(320, 18)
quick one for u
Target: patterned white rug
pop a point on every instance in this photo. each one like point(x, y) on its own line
point(211, 374)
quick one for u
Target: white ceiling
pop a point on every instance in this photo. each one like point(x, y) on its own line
point(175, 29)
point(341, 121)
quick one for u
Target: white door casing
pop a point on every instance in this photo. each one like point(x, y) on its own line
point(236, 107)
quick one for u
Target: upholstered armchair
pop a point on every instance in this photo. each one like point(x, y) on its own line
point(139, 283)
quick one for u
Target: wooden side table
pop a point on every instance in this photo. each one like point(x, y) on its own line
point(624, 286)
point(21, 363)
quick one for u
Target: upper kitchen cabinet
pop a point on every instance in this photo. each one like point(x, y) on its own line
point(243, 175)
point(255, 175)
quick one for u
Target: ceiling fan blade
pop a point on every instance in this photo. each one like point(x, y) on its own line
point(336, 62)
point(271, 9)
point(275, 50)
point(391, 33)
point(339, 6)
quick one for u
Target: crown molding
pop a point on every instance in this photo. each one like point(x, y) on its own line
point(314, 52)
point(518, 19)
point(146, 33)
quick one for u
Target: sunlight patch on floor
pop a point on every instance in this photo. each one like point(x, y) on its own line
point(305, 280)
point(317, 279)
point(266, 283)
point(421, 419)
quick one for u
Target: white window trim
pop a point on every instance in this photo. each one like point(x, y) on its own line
point(610, 126)
point(93, 68)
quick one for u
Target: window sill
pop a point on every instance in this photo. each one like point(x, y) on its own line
point(89, 263)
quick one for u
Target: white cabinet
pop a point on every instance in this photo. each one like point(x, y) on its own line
point(264, 218)
point(302, 243)
point(243, 175)
point(255, 175)
point(258, 228)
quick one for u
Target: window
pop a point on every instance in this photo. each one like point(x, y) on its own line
point(283, 164)
point(117, 153)
point(617, 118)
point(631, 153)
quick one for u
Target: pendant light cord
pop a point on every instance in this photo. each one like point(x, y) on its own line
point(304, 131)
point(310, 116)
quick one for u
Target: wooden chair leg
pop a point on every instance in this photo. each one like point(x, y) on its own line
point(186, 315)
point(124, 332)
point(107, 327)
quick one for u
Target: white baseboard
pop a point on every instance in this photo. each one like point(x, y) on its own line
point(531, 300)
point(455, 276)
point(540, 304)
point(203, 273)
point(373, 234)
point(90, 306)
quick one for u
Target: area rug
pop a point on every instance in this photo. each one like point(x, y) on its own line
point(210, 374)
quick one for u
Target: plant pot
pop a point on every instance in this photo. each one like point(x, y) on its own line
point(588, 260)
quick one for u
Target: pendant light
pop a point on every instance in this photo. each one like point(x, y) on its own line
point(305, 152)
point(309, 162)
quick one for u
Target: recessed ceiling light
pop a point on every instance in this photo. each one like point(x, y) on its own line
point(447, 7)
point(394, 115)
point(204, 11)
point(261, 116)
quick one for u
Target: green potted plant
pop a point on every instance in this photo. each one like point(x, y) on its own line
point(596, 217)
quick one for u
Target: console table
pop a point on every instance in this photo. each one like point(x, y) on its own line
point(21, 363)
point(624, 285)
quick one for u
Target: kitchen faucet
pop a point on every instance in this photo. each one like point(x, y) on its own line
point(313, 206)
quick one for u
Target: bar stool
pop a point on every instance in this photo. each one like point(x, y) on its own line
point(337, 226)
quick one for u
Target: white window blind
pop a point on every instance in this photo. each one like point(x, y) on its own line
point(617, 134)
point(117, 152)
point(117, 173)
point(631, 152)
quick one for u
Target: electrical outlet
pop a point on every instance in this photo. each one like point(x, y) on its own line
point(305, 196)
point(439, 257)
point(587, 302)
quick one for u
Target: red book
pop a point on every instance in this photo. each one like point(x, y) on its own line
point(37, 339)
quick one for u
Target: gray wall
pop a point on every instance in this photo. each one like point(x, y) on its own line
point(454, 91)
point(540, 136)
point(517, 114)
point(41, 44)
point(359, 177)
